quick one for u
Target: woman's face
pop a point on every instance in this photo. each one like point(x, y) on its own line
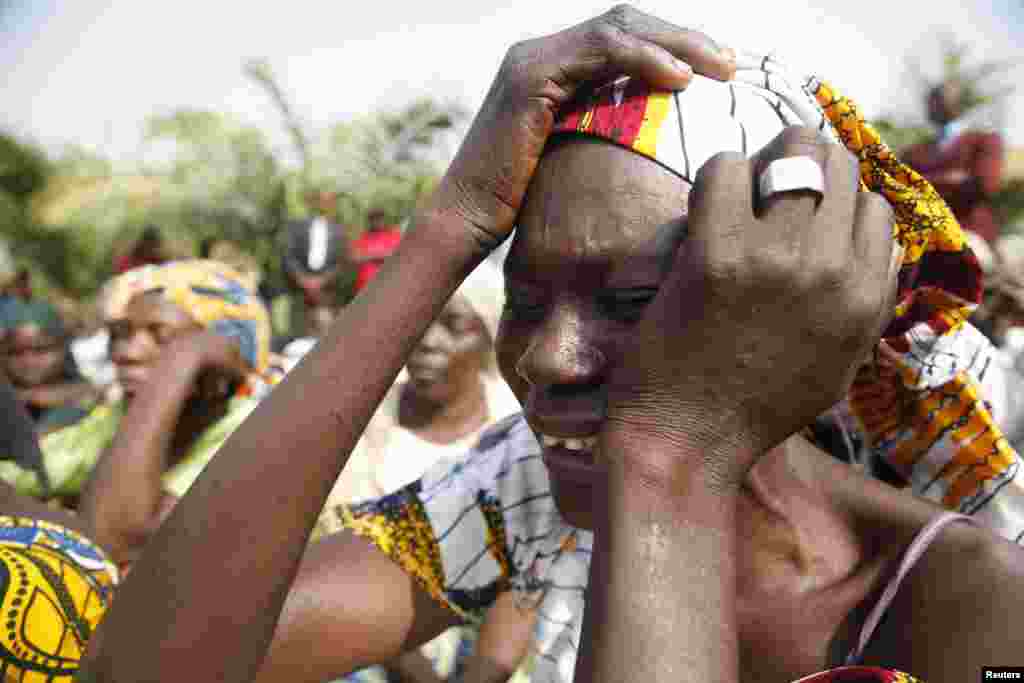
point(596, 236)
point(451, 354)
point(33, 356)
point(147, 325)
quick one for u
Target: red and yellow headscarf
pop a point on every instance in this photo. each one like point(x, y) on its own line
point(921, 404)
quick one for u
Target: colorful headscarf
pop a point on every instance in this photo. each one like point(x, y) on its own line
point(213, 294)
point(919, 403)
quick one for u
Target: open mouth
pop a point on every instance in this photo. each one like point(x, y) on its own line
point(582, 445)
point(574, 459)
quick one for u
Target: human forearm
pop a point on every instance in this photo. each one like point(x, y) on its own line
point(136, 461)
point(662, 583)
point(318, 412)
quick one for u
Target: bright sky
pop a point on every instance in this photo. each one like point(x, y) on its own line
point(89, 71)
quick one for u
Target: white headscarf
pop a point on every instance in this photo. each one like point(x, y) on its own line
point(484, 288)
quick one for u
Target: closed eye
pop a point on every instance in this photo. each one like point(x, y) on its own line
point(521, 303)
point(626, 305)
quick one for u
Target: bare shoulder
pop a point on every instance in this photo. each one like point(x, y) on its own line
point(960, 608)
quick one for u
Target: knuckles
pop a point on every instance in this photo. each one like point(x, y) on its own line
point(622, 16)
point(721, 169)
point(801, 138)
point(517, 57)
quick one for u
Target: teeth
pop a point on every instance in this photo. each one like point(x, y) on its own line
point(580, 444)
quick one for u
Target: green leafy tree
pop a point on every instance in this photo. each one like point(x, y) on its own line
point(204, 174)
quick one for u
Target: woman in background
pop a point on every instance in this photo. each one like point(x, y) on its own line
point(38, 361)
point(190, 343)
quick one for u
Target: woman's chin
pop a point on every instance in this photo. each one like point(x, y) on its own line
point(575, 503)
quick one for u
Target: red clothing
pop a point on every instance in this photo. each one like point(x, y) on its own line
point(978, 154)
point(375, 245)
point(126, 262)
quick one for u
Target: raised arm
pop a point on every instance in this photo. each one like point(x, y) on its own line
point(124, 498)
point(202, 602)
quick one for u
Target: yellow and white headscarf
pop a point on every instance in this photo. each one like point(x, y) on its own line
point(212, 293)
point(921, 404)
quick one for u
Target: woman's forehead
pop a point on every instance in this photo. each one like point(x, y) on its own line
point(152, 307)
point(594, 202)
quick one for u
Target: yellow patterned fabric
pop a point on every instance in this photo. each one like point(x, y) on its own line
point(923, 412)
point(55, 586)
point(922, 405)
point(212, 293)
point(399, 526)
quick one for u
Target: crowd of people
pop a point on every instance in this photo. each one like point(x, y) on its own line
point(680, 374)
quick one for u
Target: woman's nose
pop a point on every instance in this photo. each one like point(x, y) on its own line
point(434, 339)
point(561, 355)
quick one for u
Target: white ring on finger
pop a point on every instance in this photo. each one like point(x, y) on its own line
point(792, 173)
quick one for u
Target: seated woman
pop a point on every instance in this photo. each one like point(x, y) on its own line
point(176, 331)
point(38, 361)
point(664, 330)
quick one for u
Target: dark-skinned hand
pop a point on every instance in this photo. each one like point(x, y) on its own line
point(769, 309)
point(485, 184)
point(214, 358)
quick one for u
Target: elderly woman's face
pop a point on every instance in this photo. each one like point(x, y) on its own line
point(596, 236)
point(33, 357)
point(148, 323)
point(451, 353)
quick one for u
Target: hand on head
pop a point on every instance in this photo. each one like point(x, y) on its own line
point(771, 306)
point(485, 184)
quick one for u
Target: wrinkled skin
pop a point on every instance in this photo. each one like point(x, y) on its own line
point(450, 355)
point(591, 252)
point(445, 399)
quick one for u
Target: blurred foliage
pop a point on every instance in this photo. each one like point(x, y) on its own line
point(206, 175)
